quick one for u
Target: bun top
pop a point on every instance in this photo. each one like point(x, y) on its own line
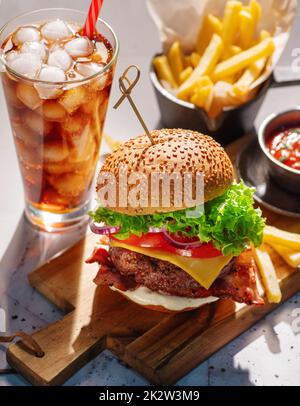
point(175, 151)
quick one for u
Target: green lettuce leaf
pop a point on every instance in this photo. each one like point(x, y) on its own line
point(230, 221)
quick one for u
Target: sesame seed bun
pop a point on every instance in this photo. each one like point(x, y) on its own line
point(175, 151)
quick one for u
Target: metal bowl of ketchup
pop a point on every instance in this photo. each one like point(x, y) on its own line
point(279, 139)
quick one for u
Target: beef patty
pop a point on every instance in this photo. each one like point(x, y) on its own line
point(128, 270)
point(156, 274)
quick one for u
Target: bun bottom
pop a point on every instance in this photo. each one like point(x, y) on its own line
point(163, 303)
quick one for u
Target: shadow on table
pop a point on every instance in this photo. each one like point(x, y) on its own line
point(224, 362)
point(28, 249)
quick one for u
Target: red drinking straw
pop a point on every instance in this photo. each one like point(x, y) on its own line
point(90, 24)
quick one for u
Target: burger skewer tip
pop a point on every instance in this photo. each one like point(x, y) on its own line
point(126, 93)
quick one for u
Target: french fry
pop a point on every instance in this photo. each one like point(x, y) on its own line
point(290, 256)
point(231, 51)
point(245, 97)
point(230, 79)
point(111, 142)
point(229, 59)
point(273, 235)
point(185, 74)
point(234, 50)
point(268, 274)
point(255, 10)
point(195, 59)
point(247, 29)
point(187, 61)
point(206, 66)
point(216, 108)
point(203, 95)
point(231, 22)
point(264, 34)
point(210, 98)
point(200, 96)
point(175, 59)
point(222, 98)
point(211, 25)
point(195, 84)
point(244, 59)
point(249, 76)
point(163, 70)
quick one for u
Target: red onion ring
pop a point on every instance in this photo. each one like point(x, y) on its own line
point(183, 245)
point(155, 230)
point(103, 230)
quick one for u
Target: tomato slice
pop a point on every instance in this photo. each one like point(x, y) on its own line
point(158, 241)
point(183, 239)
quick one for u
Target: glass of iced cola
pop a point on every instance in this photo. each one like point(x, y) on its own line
point(57, 84)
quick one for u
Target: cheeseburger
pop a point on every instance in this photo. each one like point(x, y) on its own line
point(176, 257)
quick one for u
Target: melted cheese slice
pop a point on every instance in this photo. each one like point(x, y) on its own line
point(204, 270)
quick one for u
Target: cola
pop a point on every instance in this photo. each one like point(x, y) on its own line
point(57, 84)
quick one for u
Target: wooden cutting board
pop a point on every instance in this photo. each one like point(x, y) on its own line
point(161, 347)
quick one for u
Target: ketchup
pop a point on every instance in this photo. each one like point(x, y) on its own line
point(284, 145)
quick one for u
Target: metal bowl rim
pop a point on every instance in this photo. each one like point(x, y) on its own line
point(262, 143)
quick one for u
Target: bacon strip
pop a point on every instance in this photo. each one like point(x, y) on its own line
point(110, 277)
point(239, 284)
point(99, 255)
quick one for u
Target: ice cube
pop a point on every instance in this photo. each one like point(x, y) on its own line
point(26, 64)
point(102, 53)
point(23, 133)
point(83, 59)
point(10, 93)
point(53, 111)
point(90, 107)
point(34, 176)
point(10, 56)
point(88, 68)
point(84, 146)
point(102, 112)
point(54, 168)
point(47, 92)
point(29, 156)
point(56, 30)
point(54, 47)
point(69, 184)
point(74, 125)
point(34, 192)
point(8, 46)
point(72, 99)
point(36, 48)
point(97, 105)
point(37, 123)
point(101, 81)
point(25, 34)
point(55, 151)
point(52, 74)
point(28, 96)
point(60, 58)
point(54, 200)
point(81, 46)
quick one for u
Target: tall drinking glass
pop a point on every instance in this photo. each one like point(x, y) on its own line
point(57, 126)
